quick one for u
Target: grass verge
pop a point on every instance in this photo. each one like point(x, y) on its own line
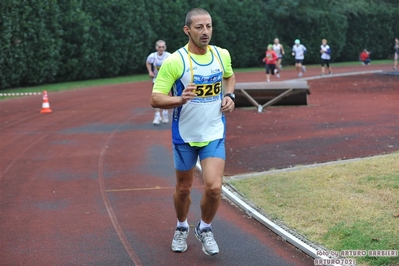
point(344, 206)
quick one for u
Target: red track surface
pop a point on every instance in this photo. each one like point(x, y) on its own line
point(91, 183)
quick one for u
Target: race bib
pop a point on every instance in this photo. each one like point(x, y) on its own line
point(208, 88)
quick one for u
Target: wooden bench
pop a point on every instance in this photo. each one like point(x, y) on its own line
point(264, 94)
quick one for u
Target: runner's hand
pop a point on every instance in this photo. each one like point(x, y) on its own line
point(227, 105)
point(188, 93)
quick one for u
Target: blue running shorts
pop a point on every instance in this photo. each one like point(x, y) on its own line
point(185, 156)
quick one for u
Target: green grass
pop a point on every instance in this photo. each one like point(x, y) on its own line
point(344, 206)
point(358, 234)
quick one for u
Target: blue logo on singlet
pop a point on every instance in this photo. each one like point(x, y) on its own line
point(207, 79)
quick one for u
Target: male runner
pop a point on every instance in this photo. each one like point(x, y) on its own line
point(153, 64)
point(202, 82)
point(279, 49)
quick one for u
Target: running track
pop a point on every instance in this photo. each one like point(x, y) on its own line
point(91, 183)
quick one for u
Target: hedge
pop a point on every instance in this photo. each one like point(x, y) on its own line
point(47, 41)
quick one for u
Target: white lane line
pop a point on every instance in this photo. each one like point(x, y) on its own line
point(11, 94)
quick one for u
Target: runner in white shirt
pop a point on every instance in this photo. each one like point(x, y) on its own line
point(279, 49)
point(325, 52)
point(299, 50)
point(153, 64)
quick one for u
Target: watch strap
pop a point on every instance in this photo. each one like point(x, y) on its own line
point(230, 95)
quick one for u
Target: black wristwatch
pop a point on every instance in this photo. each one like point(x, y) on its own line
point(231, 95)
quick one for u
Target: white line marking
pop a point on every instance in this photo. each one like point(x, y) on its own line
point(19, 94)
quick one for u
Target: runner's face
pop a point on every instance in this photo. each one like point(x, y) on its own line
point(161, 48)
point(200, 31)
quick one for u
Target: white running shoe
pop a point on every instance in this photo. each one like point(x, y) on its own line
point(157, 119)
point(304, 69)
point(209, 245)
point(394, 67)
point(300, 74)
point(165, 117)
point(165, 120)
point(268, 80)
point(278, 75)
point(179, 242)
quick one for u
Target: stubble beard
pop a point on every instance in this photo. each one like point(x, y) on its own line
point(201, 44)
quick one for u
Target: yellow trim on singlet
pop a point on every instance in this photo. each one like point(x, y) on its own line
point(173, 67)
point(191, 62)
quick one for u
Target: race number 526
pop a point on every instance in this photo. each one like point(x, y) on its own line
point(206, 90)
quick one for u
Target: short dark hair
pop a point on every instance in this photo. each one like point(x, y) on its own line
point(194, 12)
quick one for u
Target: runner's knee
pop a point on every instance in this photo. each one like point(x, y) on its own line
point(183, 191)
point(214, 190)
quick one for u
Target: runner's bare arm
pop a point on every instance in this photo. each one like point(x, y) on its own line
point(165, 101)
point(150, 73)
point(228, 87)
point(229, 84)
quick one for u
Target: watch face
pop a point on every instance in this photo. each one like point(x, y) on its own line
point(231, 95)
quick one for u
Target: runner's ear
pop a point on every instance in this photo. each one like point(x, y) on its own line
point(186, 30)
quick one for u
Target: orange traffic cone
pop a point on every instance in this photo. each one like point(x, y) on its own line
point(45, 104)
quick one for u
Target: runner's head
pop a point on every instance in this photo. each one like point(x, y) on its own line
point(198, 26)
point(297, 42)
point(160, 46)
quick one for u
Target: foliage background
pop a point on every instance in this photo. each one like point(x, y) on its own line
point(46, 41)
